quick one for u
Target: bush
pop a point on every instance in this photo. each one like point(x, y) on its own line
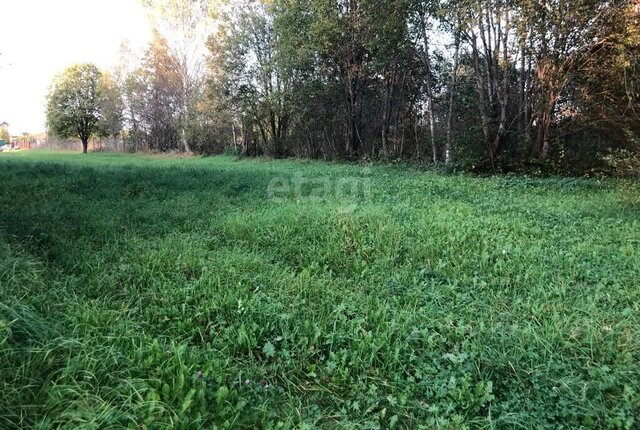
point(204, 140)
point(623, 163)
point(133, 140)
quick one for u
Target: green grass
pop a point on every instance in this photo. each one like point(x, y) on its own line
point(155, 292)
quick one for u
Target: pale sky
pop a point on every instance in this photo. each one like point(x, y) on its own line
point(39, 38)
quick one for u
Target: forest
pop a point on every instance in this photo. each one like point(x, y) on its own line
point(480, 85)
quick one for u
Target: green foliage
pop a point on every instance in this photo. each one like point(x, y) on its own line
point(73, 106)
point(623, 163)
point(5, 138)
point(111, 108)
point(249, 77)
point(173, 293)
point(203, 139)
point(484, 85)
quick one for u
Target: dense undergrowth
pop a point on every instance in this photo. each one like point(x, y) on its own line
point(149, 292)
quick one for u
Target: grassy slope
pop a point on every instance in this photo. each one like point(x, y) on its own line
point(445, 301)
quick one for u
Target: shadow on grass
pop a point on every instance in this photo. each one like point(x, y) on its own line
point(65, 205)
point(53, 206)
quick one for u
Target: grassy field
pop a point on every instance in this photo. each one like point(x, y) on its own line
point(156, 292)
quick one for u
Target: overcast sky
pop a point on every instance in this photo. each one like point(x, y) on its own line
point(39, 38)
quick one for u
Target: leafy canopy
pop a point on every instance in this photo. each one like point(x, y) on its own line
point(73, 107)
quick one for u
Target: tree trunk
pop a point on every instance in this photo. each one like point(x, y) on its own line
point(432, 120)
point(415, 135)
point(354, 144)
point(233, 134)
point(389, 85)
point(426, 60)
point(183, 137)
point(551, 79)
point(527, 101)
point(543, 140)
point(448, 150)
point(521, 89)
point(484, 121)
point(504, 92)
point(85, 146)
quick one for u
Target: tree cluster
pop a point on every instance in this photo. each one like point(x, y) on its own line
point(84, 102)
point(481, 84)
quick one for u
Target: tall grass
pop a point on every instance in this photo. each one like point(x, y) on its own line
point(173, 293)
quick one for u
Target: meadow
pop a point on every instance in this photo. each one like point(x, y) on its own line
point(161, 292)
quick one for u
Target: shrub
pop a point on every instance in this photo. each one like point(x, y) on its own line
point(623, 163)
point(204, 139)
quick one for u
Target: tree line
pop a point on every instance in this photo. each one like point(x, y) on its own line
point(477, 84)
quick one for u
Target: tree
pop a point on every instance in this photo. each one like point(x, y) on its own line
point(422, 24)
point(183, 25)
point(160, 106)
point(5, 138)
point(484, 83)
point(111, 108)
point(246, 71)
point(73, 106)
point(566, 34)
